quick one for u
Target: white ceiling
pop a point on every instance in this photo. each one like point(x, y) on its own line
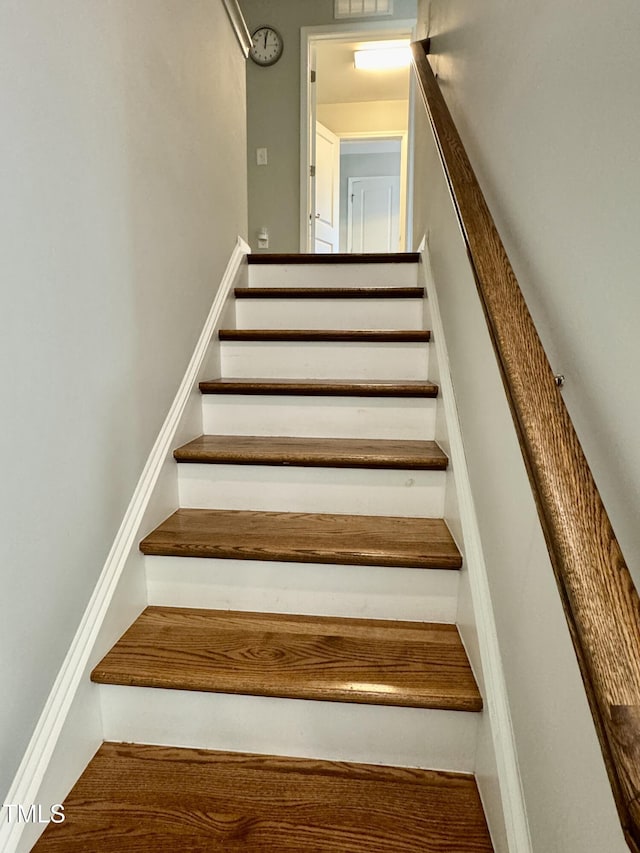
point(339, 82)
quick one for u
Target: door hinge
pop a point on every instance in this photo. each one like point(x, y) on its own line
point(312, 171)
point(312, 75)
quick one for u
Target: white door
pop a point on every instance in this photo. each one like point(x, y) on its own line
point(327, 190)
point(373, 221)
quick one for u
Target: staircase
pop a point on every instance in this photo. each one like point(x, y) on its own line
point(302, 599)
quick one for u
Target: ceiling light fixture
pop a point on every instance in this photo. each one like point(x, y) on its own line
point(382, 57)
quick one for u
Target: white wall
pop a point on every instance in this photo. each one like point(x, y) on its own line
point(568, 800)
point(273, 105)
point(545, 97)
point(122, 196)
point(541, 95)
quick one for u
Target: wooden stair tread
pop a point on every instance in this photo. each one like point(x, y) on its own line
point(335, 258)
point(329, 292)
point(369, 661)
point(330, 335)
point(423, 543)
point(322, 387)
point(313, 452)
point(138, 798)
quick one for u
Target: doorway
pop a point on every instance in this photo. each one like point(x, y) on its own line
point(370, 195)
point(349, 116)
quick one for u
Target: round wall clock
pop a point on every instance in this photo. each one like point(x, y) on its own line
point(266, 46)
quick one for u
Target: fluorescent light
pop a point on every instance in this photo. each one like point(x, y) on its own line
point(381, 58)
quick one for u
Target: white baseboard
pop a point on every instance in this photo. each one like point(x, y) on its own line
point(495, 692)
point(70, 727)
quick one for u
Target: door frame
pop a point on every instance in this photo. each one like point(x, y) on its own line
point(309, 37)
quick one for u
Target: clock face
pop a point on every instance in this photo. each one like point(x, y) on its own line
point(266, 46)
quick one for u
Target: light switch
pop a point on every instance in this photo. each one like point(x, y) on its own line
point(261, 156)
point(263, 238)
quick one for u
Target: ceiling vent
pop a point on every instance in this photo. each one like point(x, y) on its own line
point(362, 8)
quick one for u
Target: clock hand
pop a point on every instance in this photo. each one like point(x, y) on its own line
point(265, 40)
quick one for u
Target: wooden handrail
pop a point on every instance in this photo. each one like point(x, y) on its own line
point(598, 595)
point(239, 25)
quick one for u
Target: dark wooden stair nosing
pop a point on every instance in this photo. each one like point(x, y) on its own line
point(336, 258)
point(312, 452)
point(321, 387)
point(327, 335)
point(329, 292)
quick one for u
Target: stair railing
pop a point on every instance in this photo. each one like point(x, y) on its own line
point(239, 24)
point(600, 600)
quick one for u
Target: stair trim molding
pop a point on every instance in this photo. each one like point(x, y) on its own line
point(329, 293)
point(411, 388)
point(495, 690)
point(305, 258)
point(67, 701)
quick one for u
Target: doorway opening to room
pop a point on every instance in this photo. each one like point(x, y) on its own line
point(355, 172)
point(372, 194)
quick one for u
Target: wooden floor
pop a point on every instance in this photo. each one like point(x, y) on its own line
point(150, 799)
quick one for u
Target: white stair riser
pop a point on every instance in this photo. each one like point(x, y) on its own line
point(316, 589)
point(333, 275)
point(329, 313)
point(324, 417)
point(323, 360)
point(373, 734)
point(285, 488)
